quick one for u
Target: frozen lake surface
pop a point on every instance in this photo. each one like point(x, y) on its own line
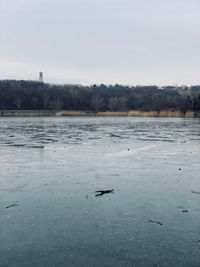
point(51, 167)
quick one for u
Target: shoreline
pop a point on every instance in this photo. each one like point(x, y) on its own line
point(131, 113)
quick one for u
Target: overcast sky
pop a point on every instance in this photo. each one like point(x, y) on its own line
point(101, 41)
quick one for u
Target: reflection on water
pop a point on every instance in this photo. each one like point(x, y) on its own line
point(51, 168)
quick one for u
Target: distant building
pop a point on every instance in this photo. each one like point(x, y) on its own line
point(41, 79)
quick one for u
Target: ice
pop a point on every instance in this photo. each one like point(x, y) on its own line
point(51, 167)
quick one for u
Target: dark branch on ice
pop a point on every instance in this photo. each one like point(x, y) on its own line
point(102, 192)
point(155, 222)
point(11, 205)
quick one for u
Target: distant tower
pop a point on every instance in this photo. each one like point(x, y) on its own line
point(41, 79)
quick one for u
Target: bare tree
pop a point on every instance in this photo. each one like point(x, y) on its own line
point(18, 102)
point(97, 103)
point(58, 103)
point(46, 98)
point(113, 103)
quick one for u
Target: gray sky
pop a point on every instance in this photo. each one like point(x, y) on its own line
point(101, 41)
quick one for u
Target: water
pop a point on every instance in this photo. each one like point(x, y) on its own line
point(51, 167)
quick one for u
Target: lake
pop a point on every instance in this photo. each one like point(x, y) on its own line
point(51, 167)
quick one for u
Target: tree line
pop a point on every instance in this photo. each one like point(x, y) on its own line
point(33, 95)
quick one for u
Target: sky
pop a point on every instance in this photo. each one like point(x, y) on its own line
point(127, 42)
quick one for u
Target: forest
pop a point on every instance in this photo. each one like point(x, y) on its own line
point(33, 95)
